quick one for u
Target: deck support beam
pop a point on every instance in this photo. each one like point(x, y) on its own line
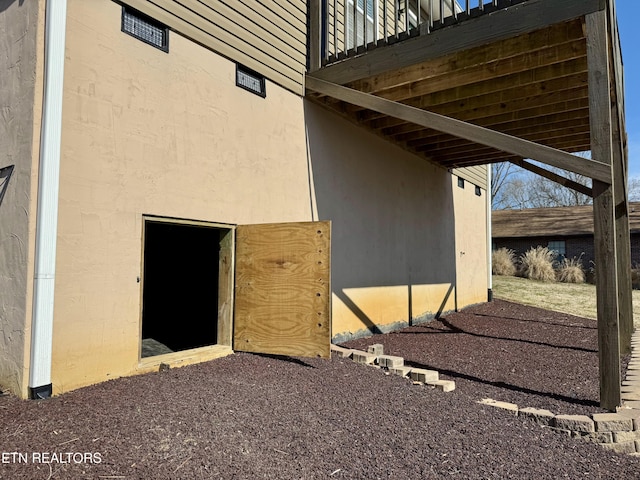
point(604, 211)
point(620, 176)
point(481, 135)
point(554, 177)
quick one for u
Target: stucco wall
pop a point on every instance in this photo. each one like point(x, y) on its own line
point(150, 133)
point(146, 132)
point(393, 237)
point(471, 244)
point(21, 25)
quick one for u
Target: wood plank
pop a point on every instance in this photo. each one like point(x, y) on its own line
point(620, 172)
point(517, 20)
point(479, 151)
point(283, 291)
point(603, 214)
point(481, 135)
point(554, 177)
point(439, 140)
point(556, 81)
point(547, 137)
point(226, 287)
point(315, 35)
point(523, 116)
point(508, 50)
point(531, 68)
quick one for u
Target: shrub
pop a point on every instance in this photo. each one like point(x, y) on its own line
point(537, 264)
point(503, 262)
point(571, 271)
point(635, 277)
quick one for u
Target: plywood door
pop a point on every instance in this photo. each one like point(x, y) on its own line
point(283, 291)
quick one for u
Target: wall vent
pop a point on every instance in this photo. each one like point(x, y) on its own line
point(145, 28)
point(251, 81)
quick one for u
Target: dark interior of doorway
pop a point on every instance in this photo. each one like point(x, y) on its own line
point(180, 287)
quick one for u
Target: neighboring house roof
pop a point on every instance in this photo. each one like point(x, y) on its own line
point(552, 222)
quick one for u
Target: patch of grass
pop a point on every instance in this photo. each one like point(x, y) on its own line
point(537, 264)
point(575, 299)
point(503, 262)
point(571, 271)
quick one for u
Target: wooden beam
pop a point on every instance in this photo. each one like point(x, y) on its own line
point(474, 133)
point(515, 50)
point(439, 140)
point(506, 23)
point(578, 107)
point(603, 213)
point(554, 177)
point(493, 76)
point(506, 93)
point(620, 174)
point(315, 35)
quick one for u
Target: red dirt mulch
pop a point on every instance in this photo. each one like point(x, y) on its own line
point(257, 416)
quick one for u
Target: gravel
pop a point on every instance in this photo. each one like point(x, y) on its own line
point(258, 416)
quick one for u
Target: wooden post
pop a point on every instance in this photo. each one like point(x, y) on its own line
point(603, 212)
point(620, 174)
point(315, 35)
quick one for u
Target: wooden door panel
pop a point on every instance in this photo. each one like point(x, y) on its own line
point(283, 289)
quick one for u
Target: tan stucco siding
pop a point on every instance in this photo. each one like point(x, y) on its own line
point(21, 27)
point(471, 245)
point(393, 256)
point(145, 132)
point(266, 36)
point(476, 175)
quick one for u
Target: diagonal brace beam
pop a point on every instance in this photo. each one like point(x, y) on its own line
point(484, 136)
point(554, 177)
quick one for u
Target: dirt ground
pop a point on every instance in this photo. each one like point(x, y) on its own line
point(257, 416)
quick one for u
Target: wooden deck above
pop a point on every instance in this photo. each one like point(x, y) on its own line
point(521, 71)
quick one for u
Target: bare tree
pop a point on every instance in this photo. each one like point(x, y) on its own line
point(502, 175)
point(515, 188)
point(634, 189)
point(543, 192)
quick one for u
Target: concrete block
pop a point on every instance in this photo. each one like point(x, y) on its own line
point(363, 357)
point(626, 447)
point(612, 422)
point(444, 385)
point(389, 361)
point(341, 351)
point(632, 414)
point(423, 375)
point(631, 404)
point(509, 407)
point(595, 437)
point(376, 348)
point(541, 417)
point(402, 371)
point(622, 437)
point(634, 396)
point(576, 423)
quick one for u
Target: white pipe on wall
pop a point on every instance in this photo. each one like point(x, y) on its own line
point(48, 187)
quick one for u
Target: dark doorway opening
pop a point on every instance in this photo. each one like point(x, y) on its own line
point(181, 285)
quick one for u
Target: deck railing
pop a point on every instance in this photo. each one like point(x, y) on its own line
point(348, 27)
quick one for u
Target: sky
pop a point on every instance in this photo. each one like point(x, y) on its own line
point(629, 25)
